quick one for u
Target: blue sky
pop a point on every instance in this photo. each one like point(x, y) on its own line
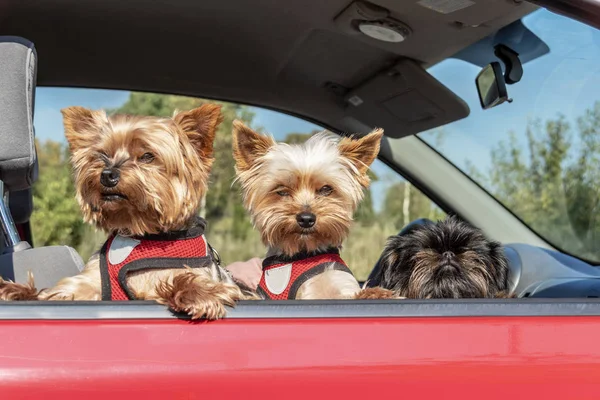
point(565, 80)
point(562, 81)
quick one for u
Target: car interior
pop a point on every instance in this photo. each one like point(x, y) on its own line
point(329, 62)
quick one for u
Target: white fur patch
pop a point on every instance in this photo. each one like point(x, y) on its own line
point(120, 248)
point(278, 278)
point(318, 155)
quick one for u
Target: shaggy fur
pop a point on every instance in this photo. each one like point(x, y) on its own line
point(163, 166)
point(448, 259)
point(324, 177)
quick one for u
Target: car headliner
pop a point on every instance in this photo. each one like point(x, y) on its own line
point(269, 53)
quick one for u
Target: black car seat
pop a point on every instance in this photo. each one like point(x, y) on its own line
point(18, 171)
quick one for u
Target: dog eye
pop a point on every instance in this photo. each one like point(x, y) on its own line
point(283, 193)
point(325, 190)
point(147, 157)
point(103, 156)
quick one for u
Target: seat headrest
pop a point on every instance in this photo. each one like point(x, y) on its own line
point(18, 73)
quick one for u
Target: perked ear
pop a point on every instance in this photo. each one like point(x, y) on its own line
point(82, 126)
point(248, 146)
point(363, 151)
point(200, 125)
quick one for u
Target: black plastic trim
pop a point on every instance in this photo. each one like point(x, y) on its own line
point(137, 310)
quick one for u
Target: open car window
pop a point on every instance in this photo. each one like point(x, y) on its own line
point(539, 155)
point(389, 204)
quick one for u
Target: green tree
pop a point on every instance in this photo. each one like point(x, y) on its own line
point(298, 138)
point(56, 218)
point(552, 182)
point(404, 203)
point(365, 213)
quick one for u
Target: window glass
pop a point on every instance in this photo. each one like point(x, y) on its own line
point(540, 154)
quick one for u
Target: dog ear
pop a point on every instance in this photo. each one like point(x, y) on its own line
point(200, 126)
point(82, 126)
point(363, 151)
point(248, 145)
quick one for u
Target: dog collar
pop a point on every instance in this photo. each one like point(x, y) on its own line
point(122, 254)
point(282, 276)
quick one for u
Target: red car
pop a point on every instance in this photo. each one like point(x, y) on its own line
point(422, 70)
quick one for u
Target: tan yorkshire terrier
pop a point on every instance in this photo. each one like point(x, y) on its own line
point(141, 180)
point(301, 199)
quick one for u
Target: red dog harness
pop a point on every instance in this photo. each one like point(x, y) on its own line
point(282, 277)
point(121, 255)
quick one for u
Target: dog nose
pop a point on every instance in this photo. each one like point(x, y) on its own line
point(306, 219)
point(110, 177)
point(448, 255)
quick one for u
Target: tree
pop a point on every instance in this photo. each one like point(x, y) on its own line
point(298, 138)
point(552, 183)
point(403, 203)
point(56, 218)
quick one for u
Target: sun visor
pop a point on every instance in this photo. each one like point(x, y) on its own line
point(404, 100)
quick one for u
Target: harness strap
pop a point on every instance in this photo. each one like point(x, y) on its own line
point(300, 268)
point(161, 251)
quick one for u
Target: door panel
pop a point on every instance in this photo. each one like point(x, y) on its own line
point(447, 357)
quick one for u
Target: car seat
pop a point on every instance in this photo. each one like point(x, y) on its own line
point(18, 171)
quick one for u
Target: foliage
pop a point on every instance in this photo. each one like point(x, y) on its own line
point(552, 183)
point(56, 218)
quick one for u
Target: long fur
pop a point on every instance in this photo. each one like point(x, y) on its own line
point(164, 165)
point(324, 176)
point(448, 259)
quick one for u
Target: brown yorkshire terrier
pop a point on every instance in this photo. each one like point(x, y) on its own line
point(301, 199)
point(141, 180)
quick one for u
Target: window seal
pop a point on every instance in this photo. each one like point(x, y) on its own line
point(309, 309)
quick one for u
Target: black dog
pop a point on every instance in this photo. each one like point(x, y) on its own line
point(447, 259)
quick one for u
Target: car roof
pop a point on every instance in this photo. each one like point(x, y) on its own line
point(302, 57)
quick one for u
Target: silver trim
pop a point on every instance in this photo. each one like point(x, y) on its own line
point(11, 234)
point(141, 310)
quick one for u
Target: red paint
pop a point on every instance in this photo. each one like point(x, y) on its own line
point(441, 358)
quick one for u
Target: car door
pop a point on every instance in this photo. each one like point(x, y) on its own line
point(468, 349)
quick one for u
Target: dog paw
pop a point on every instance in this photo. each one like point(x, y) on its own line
point(12, 291)
point(56, 296)
point(197, 297)
point(505, 295)
point(375, 293)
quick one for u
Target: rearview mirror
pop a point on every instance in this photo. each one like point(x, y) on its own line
point(491, 86)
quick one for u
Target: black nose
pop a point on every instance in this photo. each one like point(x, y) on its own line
point(110, 177)
point(448, 255)
point(306, 219)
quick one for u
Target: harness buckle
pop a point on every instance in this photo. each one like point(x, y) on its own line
point(215, 255)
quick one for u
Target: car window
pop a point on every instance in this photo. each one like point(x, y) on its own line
point(389, 204)
point(540, 154)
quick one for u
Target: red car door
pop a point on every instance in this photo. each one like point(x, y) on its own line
point(315, 350)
